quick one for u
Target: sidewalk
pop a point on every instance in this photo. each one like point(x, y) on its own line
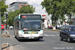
point(5, 46)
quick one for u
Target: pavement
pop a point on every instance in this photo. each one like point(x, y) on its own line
point(49, 42)
point(6, 46)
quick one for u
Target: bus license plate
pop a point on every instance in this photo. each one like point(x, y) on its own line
point(31, 38)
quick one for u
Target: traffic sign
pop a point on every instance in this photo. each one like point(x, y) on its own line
point(2, 26)
point(4, 20)
point(44, 17)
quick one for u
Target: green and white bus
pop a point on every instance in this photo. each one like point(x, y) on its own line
point(28, 26)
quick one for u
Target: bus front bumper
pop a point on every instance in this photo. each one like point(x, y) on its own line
point(40, 37)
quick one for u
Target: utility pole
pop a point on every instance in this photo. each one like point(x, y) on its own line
point(0, 29)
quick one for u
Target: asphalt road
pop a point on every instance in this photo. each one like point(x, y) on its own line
point(49, 42)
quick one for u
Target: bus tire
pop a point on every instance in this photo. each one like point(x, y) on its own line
point(15, 35)
point(18, 38)
point(37, 39)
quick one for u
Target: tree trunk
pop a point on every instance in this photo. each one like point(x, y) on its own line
point(55, 21)
point(70, 19)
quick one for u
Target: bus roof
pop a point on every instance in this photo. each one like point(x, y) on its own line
point(18, 17)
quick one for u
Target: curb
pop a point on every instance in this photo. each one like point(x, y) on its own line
point(6, 46)
point(11, 48)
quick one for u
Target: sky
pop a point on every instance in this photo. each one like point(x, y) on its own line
point(35, 3)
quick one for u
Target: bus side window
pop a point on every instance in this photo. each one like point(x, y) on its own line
point(17, 25)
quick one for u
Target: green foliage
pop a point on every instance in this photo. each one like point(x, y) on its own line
point(53, 24)
point(3, 7)
point(27, 9)
point(2, 18)
point(61, 22)
point(22, 10)
point(59, 7)
point(11, 18)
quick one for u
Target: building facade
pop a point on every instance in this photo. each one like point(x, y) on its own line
point(16, 6)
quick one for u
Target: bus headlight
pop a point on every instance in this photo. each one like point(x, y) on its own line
point(21, 32)
point(40, 32)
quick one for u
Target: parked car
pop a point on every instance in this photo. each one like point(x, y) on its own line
point(50, 27)
point(11, 27)
point(68, 33)
point(58, 27)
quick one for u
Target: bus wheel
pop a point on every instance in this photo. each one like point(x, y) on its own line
point(19, 39)
point(37, 39)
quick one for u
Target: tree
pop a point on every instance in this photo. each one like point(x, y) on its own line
point(52, 7)
point(10, 20)
point(23, 10)
point(2, 18)
point(3, 7)
point(59, 7)
point(70, 9)
point(27, 9)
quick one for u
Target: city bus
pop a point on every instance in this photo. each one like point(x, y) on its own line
point(28, 26)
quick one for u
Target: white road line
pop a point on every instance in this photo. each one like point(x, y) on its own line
point(46, 35)
point(51, 35)
point(11, 36)
point(57, 34)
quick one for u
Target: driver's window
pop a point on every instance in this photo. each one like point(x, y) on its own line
point(73, 29)
point(63, 28)
point(66, 28)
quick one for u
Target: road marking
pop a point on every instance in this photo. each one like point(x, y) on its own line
point(11, 36)
point(46, 35)
point(51, 35)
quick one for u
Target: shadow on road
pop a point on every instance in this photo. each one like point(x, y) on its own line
point(30, 40)
point(15, 44)
point(69, 42)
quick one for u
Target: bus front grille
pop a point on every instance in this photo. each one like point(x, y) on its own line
point(30, 32)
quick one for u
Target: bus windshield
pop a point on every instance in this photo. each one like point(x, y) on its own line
point(31, 24)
